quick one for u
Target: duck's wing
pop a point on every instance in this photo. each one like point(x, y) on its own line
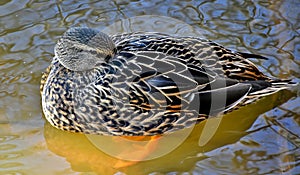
point(151, 86)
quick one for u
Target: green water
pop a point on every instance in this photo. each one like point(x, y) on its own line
point(262, 138)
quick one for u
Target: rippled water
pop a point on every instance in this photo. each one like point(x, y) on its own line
point(255, 140)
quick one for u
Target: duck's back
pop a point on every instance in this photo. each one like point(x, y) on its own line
point(196, 52)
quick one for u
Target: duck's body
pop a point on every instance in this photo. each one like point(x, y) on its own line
point(145, 83)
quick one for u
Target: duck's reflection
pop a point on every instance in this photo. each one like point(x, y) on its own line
point(85, 156)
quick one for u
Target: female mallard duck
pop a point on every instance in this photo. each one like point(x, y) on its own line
point(145, 83)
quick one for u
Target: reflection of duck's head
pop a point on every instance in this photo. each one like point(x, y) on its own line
point(82, 49)
point(145, 83)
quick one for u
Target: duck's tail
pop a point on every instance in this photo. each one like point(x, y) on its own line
point(264, 88)
point(269, 85)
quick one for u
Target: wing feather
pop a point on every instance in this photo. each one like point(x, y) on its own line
point(165, 83)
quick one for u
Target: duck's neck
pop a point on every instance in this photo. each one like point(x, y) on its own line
point(100, 72)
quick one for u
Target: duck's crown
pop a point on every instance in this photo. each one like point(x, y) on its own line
point(81, 49)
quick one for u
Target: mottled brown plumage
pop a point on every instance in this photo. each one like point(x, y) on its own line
point(145, 83)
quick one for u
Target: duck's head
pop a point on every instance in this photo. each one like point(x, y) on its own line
point(81, 49)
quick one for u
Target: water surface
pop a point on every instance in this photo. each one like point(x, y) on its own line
point(262, 138)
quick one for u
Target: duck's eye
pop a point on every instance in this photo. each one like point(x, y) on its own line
point(94, 52)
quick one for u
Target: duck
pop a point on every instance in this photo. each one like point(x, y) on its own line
point(146, 83)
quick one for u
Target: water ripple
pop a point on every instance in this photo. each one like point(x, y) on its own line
point(29, 30)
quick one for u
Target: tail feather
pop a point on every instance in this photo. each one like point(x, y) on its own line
point(274, 86)
point(262, 88)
